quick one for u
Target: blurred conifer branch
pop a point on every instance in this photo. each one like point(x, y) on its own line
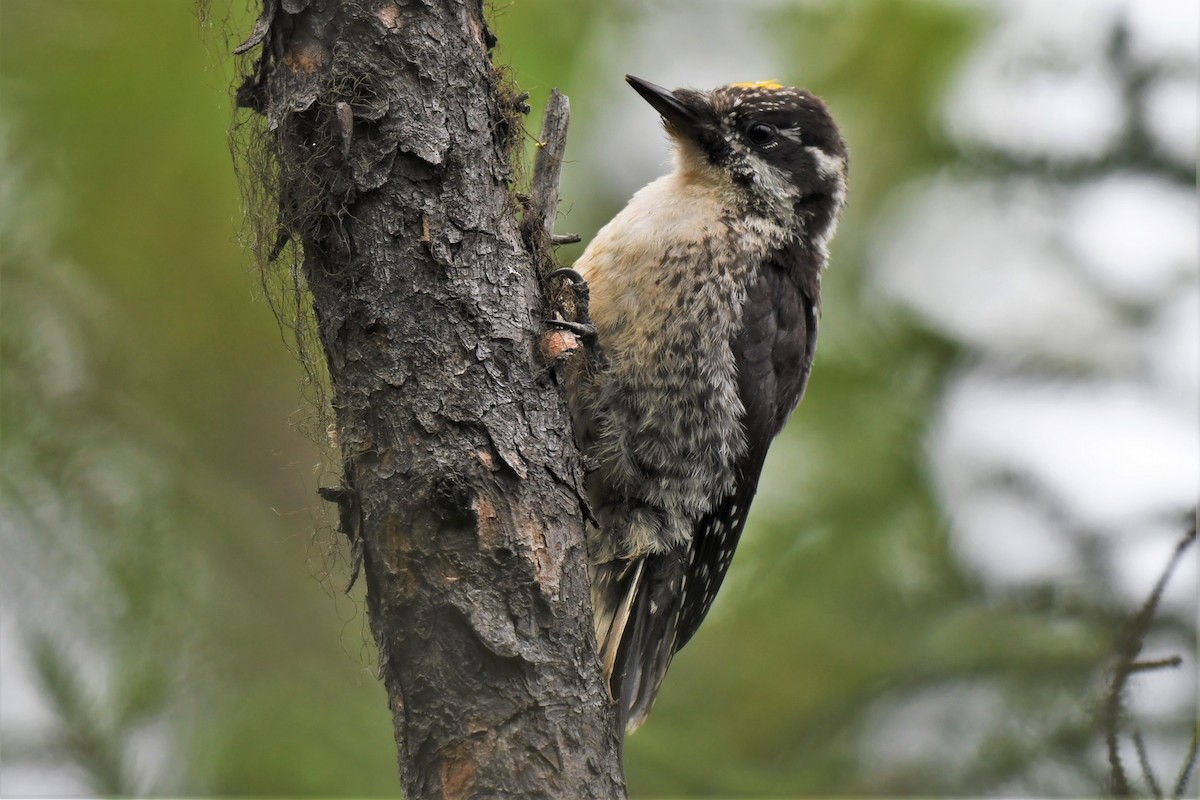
point(1134, 148)
point(1115, 715)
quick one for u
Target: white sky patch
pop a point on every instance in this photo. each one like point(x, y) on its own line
point(1136, 234)
point(1112, 455)
point(31, 781)
point(1163, 30)
point(1061, 30)
point(1008, 542)
point(1037, 87)
point(1040, 86)
point(21, 704)
point(25, 715)
point(1159, 29)
point(1172, 348)
point(151, 756)
point(983, 265)
point(1172, 113)
point(1035, 113)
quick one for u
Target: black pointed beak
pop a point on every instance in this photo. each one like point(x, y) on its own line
point(678, 115)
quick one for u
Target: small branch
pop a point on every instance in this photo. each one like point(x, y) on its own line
point(349, 519)
point(1139, 744)
point(537, 226)
point(1171, 662)
point(261, 27)
point(1189, 764)
point(1128, 647)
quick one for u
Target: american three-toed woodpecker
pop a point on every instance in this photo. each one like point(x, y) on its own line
point(703, 293)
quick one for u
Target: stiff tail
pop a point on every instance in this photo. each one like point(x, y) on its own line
point(637, 606)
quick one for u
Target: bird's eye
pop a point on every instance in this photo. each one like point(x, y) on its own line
point(760, 134)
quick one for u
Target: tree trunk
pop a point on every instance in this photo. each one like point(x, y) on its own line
point(392, 133)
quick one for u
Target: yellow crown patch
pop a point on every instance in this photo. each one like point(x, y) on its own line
point(771, 84)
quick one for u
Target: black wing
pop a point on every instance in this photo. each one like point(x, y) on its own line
point(774, 353)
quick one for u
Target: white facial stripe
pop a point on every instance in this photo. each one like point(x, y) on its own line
point(828, 166)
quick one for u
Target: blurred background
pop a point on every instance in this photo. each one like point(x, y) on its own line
point(995, 460)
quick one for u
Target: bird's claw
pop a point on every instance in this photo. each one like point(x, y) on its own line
point(584, 330)
point(582, 326)
point(566, 272)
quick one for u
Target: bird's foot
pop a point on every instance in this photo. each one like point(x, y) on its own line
point(582, 326)
point(586, 331)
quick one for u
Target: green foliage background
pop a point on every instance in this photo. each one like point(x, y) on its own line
point(171, 575)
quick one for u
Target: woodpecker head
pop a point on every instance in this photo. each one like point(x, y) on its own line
point(777, 143)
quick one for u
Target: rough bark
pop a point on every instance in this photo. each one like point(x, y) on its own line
point(392, 135)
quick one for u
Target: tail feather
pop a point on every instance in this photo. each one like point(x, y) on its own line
point(637, 606)
point(614, 587)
